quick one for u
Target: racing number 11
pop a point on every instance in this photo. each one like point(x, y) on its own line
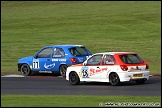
point(35, 64)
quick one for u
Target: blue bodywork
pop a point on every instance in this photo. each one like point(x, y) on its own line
point(50, 58)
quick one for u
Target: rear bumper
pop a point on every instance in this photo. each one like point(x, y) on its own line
point(128, 76)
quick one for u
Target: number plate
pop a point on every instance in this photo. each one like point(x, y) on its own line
point(137, 75)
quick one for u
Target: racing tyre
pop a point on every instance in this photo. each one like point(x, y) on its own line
point(73, 78)
point(114, 79)
point(63, 69)
point(141, 81)
point(25, 70)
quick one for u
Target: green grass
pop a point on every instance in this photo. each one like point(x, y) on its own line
point(27, 26)
point(101, 26)
point(72, 100)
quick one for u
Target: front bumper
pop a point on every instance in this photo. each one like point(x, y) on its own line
point(19, 67)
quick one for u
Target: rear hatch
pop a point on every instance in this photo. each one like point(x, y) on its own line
point(133, 62)
point(80, 54)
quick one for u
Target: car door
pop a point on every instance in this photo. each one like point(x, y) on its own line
point(108, 62)
point(58, 58)
point(43, 61)
point(94, 67)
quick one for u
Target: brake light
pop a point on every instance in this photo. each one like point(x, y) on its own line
point(124, 67)
point(147, 67)
point(74, 60)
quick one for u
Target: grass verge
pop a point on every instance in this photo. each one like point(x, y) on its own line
point(77, 101)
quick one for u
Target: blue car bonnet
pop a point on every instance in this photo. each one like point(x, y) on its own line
point(25, 59)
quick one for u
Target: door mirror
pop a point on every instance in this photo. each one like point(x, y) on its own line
point(36, 56)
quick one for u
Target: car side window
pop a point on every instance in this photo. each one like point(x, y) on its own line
point(45, 53)
point(131, 58)
point(78, 51)
point(109, 59)
point(95, 60)
point(58, 52)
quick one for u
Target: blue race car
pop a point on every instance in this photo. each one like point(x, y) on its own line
point(52, 59)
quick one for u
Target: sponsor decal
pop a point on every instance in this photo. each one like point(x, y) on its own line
point(80, 59)
point(58, 59)
point(50, 66)
point(107, 75)
point(45, 71)
point(98, 70)
point(137, 68)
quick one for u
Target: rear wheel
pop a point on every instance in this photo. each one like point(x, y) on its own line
point(114, 79)
point(141, 81)
point(62, 70)
point(25, 70)
point(73, 78)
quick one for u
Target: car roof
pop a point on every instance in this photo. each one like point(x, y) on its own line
point(66, 45)
point(112, 53)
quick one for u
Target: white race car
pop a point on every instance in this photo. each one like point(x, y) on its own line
point(112, 67)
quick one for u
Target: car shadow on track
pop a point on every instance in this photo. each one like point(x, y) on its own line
point(46, 75)
point(129, 83)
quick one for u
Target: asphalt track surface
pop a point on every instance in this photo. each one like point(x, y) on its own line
point(56, 85)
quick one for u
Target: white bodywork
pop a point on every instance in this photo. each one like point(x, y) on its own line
point(101, 73)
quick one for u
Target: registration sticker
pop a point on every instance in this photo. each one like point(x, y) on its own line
point(137, 75)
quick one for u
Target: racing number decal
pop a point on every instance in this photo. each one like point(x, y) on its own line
point(84, 72)
point(36, 63)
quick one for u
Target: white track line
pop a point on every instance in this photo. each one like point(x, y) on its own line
point(13, 75)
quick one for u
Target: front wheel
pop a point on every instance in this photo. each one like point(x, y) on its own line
point(114, 79)
point(73, 78)
point(62, 70)
point(25, 70)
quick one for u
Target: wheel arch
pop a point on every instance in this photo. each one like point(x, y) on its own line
point(112, 73)
point(61, 65)
point(76, 79)
point(59, 69)
point(20, 64)
point(26, 71)
point(72, 72)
